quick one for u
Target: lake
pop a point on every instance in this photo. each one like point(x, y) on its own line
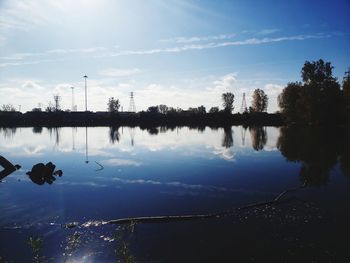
point(120, 172)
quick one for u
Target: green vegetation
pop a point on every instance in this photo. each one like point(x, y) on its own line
point(318, 99)
point(228, 99)
point(113, 105)
point(346, 93)
point(260, 101)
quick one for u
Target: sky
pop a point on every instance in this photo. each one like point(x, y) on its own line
point(174, 52)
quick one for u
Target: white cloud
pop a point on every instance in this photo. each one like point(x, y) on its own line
point(76, 50)
point(224, 84)
point(268, 31)
point(116, 72)
point(198, 38)
point(120, 162)
point(250, 41)
point(32, 85)
point(273, 90)
point(102, 52)
point(21, 56)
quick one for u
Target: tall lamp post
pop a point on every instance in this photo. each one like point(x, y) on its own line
point(85, 77)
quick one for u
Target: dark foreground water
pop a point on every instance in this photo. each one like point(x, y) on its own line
point(111, 173)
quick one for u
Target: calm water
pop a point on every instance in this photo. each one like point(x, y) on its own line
point(111, 173)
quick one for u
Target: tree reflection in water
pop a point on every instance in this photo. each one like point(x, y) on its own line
point(227, 140)
point(37, 129)
point(316, 148)
point(8, 132)
point(114, 135)
point(259, 137)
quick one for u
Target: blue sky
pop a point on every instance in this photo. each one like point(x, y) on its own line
point(179, 53)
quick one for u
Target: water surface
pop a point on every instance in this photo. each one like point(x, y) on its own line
point(111, 173)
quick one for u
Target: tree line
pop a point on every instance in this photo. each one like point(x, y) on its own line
point(259, 104)
point(318, 98)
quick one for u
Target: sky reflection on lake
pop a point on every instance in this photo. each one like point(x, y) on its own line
point(111, 173)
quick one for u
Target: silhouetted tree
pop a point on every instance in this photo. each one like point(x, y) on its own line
point(346, 93)
point(171, 110)
point(260, 101)
point(163, 108)
point(36, 110)
point(153, 109)
point(201, 110)
point(214, 110)
point(50, 107)
point(227, 140)
point(317, 72)
point(228, 99)
point(113, 105)
point(318, 99)
point(290, 99)
point(259, 137)
point(8, 107)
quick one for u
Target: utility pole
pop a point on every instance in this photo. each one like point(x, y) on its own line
point(73, 106)
point(85, 77)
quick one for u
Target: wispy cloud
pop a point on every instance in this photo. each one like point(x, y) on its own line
point(175, 184)
point(198, 38)
point(76, 50)
point(32, 62)
point(211, 45)
point(117, 72)
point(268, 31)
point(21, 56)
point(102, 52)
point(120, 162)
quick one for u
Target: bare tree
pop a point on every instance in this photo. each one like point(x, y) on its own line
point(8, 107)
point(214, 110)
point(163, 108)
point(50, 107)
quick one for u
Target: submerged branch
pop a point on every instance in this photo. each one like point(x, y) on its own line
point(167, 219)
point(101, 166)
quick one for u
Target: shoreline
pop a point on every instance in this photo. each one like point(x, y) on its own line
point(142, 119)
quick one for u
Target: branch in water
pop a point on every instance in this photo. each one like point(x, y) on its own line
point(166, 219)
point(101, 166)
